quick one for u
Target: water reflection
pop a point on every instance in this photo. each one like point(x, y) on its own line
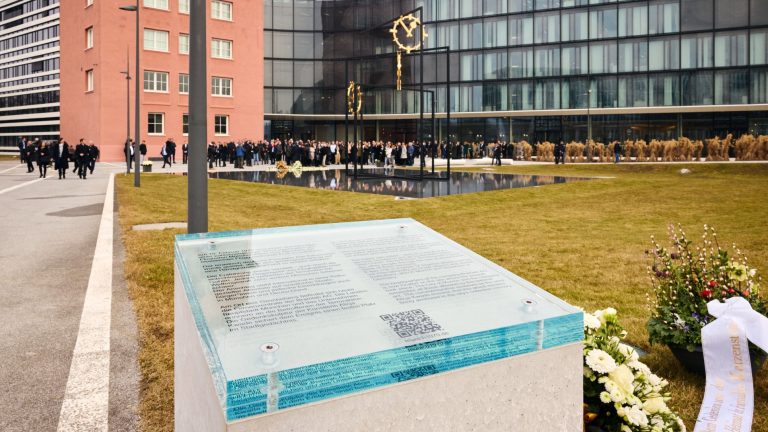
point(460, 183)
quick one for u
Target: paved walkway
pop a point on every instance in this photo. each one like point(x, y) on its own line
point(48, 232)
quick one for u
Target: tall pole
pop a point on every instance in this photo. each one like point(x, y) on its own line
point(127, 74)
point(128, 95)
point(137, 120)
point(197, 210)
point(589, 115)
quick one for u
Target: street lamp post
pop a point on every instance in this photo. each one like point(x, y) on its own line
point(589, 115)
point(127, 74)
point(197, 178)
point(137, 120)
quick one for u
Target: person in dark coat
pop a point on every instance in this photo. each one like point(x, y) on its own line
point(211, 155)
point(497, 154)
point(30, 155)
point(61, 158)
point(82, 156)
point(127, 151)
point(143, 150)
point(22, 146)
point(43, 159)
point(165, 152)
point(172, 151)
point(93, 154)
point(184, 153)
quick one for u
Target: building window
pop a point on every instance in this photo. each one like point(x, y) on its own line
point(156, 82)
point(221, 10)
point(183, 43)
point(183, 83)
point(221, 86)
point(155, 123)
point(633, 20)
point(664, 54)
point(731, 49)
point(185, 124)
point(759, 47)
point(156, 4)
point(89, 80)
point(603, 23)
point(89, 38)
point(665, 17)
point(155, 40)
point(547, 27)
point(520, 29)
point(221, 125)
point(574, 25)
point(184, 6)
point(696, 51)
point(221, 48)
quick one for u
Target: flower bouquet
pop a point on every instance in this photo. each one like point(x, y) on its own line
point(620, 392)
point(685, 278)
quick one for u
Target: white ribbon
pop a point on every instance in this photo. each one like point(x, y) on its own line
point(729, 396)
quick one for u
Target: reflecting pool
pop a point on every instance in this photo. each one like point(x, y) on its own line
point(460, 182)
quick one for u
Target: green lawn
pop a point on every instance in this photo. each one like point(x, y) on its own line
point(581, 241)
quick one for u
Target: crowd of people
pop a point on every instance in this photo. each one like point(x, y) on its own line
point(322, 153)
point(58, 154)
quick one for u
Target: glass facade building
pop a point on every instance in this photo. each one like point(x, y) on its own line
point(523, 69)
point(29, 70)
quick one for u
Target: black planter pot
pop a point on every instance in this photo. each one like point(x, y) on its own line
point(693, 361)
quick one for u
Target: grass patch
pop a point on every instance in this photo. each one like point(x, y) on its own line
point(581, 241)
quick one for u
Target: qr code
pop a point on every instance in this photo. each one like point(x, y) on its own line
point(411, 323)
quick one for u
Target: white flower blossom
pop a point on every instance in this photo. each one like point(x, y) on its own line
point(640, 367)
point(637, 416)
point(600, 361)
point(591, 321)
point(605, 397)
point(655, 405)
point(628, 352)
point(624, 379)
point(654, 380)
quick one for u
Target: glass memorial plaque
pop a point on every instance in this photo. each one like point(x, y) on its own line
point(290, 316)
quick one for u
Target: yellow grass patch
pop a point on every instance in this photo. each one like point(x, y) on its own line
point(581, 241)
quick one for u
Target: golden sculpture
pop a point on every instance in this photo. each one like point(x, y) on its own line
point(354, 99)
point(408, 23)
point(399, 70)
point(351, 97)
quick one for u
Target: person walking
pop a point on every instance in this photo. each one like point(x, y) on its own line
point(43, 159)
point(171, 150)
point(143, 150)
point(497, 154)
point(617, 152)
point(30, 154)
point(61, 159)
point(165, 153)
point(211, 155)
point(127, 151)
point(93, 154)
point(22, 147)
point(82, 155)
point(239, 156)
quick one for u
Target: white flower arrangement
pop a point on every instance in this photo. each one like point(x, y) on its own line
point(620, 392)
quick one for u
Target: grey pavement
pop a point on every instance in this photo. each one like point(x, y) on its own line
point(48, 232)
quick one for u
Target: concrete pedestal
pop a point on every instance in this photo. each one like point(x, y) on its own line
point(541, 391)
